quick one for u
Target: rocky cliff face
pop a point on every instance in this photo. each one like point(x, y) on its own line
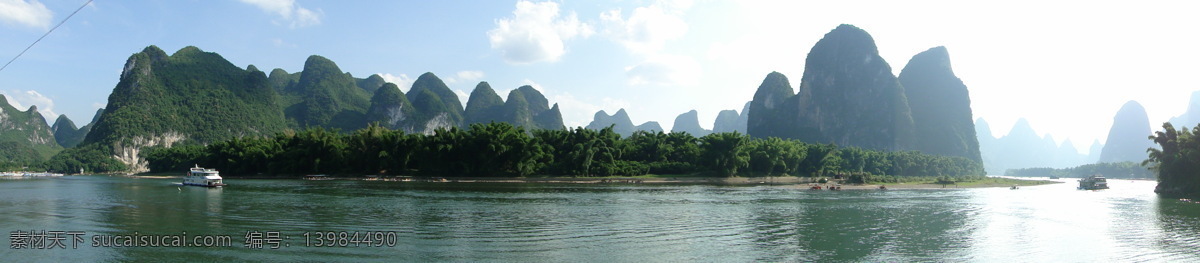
point(1127, 137)
point(185, 95)
point(437, 106)
point(941, 106)
point(743, 119)
point(727, 121)
point(771, 111)
point(390, 108)
point(848, 96)
point(689, 122)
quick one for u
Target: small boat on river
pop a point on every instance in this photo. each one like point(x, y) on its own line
point(206, 177)
point(1093, 182)
point(317, 177)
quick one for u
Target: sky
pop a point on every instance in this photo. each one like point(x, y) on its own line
point(1066, 66)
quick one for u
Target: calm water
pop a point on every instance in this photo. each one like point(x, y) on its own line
point(540, 222)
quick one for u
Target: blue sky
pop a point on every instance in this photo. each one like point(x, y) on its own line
point(1067, 66)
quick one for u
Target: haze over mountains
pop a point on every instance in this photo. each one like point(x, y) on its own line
point(847, 96)
point(1023, 148)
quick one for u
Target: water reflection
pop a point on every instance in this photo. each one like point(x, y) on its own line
point(1179, 223)
point(550, 222)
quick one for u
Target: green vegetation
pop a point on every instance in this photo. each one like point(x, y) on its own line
point(525, 107)
point(92, 158)
point(191, 93)
point(504, 150)
point(1178, 163)
point(29, 129)
point(1121, 170)
point(390, 107)
point(330, 97)
point(15, 155)
point(435, 102)
point(65, 132)
point(197, 97)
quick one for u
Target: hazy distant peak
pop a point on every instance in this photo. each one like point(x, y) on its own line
point(621, 113)
point(933, 59)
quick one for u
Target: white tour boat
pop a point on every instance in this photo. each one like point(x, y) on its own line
point(206, 177)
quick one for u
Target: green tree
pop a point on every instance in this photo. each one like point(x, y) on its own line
point(725, 152)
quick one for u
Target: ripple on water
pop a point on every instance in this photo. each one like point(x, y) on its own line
point(552, 222)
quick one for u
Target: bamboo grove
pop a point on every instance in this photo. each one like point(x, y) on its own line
point(1178, 162)
point(504, 150)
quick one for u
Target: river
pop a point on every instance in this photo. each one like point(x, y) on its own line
point(584, 222)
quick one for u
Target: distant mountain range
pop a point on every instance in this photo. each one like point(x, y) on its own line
point(847, 96)
point(197, 96)
point(24, 135)
point(1023, 148)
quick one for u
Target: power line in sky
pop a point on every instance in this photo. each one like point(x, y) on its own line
point(64, 21)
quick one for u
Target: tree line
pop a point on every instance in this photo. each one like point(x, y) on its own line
point(1120, 170)
point(503, 150)
point(1178, 162)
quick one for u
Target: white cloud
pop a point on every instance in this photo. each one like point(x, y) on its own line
point(21, 12)
point(18, 99)
point(645, 33)
point(665, 70)
point(462, 96)
point(535, 85)
point(536, 33)
point(465, 76)
point(649, 28)
point(292, 14)
point(402, 81)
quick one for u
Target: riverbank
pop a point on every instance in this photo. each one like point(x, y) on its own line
point(787, 182)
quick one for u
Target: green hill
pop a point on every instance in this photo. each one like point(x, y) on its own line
point(437, 106)
point(391, 108)
point(28, 133)
point(328, 97)
point(190, 95)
